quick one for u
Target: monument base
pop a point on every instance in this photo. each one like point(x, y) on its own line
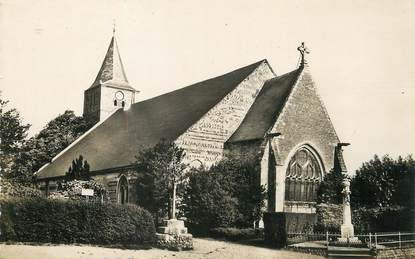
point(347, 231)
point(173, 227)
point(174, 236)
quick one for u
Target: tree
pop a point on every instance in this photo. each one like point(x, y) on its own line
point(52, 139)
point(330, 189)
point(228, 194)
point(159, 170)
point(209, 202)
point(79, 170)
point(13, 133)
point(384, 182)
point(383, 195)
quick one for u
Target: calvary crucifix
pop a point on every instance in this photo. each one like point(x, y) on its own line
point(303, 50)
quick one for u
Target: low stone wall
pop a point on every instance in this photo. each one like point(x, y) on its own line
point(278, 224)
point(309, 250)
point(275, 233)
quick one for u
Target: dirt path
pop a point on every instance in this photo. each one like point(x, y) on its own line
point(204, 248)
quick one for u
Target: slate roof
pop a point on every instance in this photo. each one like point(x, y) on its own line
point(266, 108)
point(112, 70)
point(116, 141)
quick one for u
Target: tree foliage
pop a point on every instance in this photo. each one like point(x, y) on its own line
point(52, 139)
point(13, 133)
point(228, 194)
point(157, 168)
point(79, 170)
point(384, 182)
point(330, 189)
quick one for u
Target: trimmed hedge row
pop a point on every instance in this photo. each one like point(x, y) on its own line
point(234, 234)
point(57, 221)
point(385, 219)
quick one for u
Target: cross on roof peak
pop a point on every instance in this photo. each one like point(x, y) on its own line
point(113, 27)
point(303, 50)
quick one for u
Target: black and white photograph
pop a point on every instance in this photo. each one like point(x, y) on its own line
point(207, 129)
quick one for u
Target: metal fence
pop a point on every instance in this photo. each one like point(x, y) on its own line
point(371, 240)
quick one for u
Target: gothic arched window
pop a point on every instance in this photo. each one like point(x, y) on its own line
point(303, 176)
point(123, 190)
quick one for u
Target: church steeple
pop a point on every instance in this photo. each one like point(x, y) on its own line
point(111, 89)
point(112, 70)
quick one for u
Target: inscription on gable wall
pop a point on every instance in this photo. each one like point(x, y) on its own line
point(204, 141)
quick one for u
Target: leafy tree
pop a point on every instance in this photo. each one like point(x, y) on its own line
point(52, 139)
point(12, 137)
point(159, 169)
point(12, 131)
point(228, 194)
point(208, 202)
point(330, 189)
point(383, 195)
point(79, 170)
point(384, 182)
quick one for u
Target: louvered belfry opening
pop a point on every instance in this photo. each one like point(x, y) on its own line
point(302, 177)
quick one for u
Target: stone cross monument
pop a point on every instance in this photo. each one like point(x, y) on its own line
point(347, 229)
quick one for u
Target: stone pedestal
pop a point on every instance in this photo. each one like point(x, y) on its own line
point(174, 236)
point(347, 231)
point(173, 227)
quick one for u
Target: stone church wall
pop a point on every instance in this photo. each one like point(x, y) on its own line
point(204, 141)
point(304, 120)
point(92, 102)
point(110, 182)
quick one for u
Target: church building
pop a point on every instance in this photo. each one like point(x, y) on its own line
point(250, 110)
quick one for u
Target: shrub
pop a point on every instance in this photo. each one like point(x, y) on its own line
point(57, 221)
point(330, 189)
point(15, 189)
point(72, 190)
point(228, 194)
point(234, 234)
point(384, 219)
point(329, 217)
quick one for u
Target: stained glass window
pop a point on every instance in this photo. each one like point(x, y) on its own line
point(303, 177)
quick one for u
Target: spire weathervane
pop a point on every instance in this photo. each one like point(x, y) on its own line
point(303, 50)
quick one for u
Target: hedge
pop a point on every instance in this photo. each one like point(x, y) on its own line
point(329, 217)
point(57, 221)
point(384, 219)
point(234, 234)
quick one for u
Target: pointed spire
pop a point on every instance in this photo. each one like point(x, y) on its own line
point(112, 69)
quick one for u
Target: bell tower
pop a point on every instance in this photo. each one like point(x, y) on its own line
point(110, 90)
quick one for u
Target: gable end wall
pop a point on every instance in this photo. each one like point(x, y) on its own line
point(204, 140)
point(304, 120)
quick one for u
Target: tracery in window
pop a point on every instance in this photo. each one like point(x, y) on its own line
point(302, 177)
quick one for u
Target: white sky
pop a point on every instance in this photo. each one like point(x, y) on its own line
point(363, 56)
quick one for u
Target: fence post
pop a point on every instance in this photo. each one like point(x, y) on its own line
point(399, 235)
point(327, 239)
point(370, 240)
point(376, 240)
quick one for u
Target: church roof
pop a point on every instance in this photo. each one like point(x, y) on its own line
point(112, 70)
point(266, 108)
point(116, 141)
